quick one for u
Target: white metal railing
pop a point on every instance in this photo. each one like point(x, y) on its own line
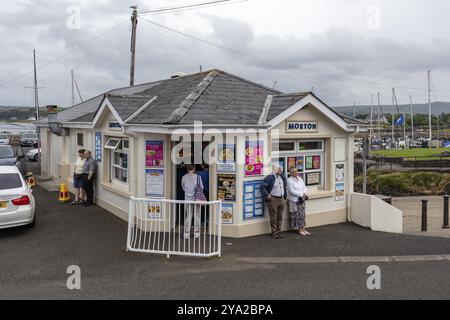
point(165, 227)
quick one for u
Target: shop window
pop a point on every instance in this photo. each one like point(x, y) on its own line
point(308, 160)
point(113, 143)
point(286, 146)
point(80, 139)
point(118, 150)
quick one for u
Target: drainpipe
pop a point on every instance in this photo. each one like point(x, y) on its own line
point(350, 148)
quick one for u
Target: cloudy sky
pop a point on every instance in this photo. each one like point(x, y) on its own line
point(344, 49)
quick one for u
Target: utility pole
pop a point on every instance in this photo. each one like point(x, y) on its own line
point(36, 103)
point(412, 118)
point(133, 43)
point(73, 88)
point(429, 107)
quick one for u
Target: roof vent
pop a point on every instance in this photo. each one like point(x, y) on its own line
point(178, 75)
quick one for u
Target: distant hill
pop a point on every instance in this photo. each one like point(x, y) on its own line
point(8, 113)
point(437, 108)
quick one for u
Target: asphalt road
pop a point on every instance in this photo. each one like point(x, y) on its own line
point(33, 263)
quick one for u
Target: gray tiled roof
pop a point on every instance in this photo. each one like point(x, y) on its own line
point(213, 97)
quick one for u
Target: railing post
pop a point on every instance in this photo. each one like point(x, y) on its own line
point(446, 222)
point(424, 215)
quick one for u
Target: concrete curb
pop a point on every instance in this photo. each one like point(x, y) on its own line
point(361, 259)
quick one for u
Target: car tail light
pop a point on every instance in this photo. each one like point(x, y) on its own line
point(24, 200)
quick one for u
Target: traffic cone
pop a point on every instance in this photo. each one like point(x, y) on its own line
point(64, 196)
point(30, 179)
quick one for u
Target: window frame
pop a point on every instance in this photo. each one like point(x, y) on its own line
point(78, 135)
point(114, 151)
point(116, 146)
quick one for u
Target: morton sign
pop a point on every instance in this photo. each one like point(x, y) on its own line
point(301, 126)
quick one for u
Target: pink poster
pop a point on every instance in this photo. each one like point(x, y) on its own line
point(154, 153)
point(254, 158)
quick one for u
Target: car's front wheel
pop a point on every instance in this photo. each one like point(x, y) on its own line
point(36, 157)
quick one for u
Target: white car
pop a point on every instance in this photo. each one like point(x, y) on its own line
point(33, 155)
point(4, 139)
point(17, 205)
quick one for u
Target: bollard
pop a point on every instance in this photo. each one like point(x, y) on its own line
point(424, 215)
point(446, 222)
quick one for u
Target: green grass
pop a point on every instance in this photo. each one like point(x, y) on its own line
point(411, 153)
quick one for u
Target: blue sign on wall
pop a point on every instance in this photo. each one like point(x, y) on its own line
point(253, 200)
point(98, 146)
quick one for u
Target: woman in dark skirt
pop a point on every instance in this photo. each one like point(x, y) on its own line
point(297, 197)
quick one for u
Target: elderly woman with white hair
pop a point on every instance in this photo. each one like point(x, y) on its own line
point(297, 197)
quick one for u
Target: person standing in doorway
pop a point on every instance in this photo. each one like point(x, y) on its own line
point(89, 170)
point(274, 192)
point(189, 182)
point(204, 174)
point(78, 178)
point(297, 199)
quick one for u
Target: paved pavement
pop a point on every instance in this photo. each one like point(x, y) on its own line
point(34, 263)
point(412, 215)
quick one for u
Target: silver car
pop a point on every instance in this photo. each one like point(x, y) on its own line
point(17, 204)
point(4, 139)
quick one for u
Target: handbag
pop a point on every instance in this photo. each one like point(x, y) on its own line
point(199, 195)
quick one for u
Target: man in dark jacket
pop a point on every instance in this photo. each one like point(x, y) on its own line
point(274, 191)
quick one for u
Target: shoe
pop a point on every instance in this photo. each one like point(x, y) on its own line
point(302, 233)
point(73, 203)
point(275, 236)
point(87, 204)
point(307, 233)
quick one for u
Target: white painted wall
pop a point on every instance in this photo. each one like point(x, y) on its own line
point(372, 212)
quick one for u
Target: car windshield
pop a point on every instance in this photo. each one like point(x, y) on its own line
point(10, 181)
point(29, 136)
point(3, 136)
point(6, 153)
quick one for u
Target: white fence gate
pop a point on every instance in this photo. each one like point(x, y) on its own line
point(171, 227)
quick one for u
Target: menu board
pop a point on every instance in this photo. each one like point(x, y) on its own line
point(154, 182)
point(98, 146)
point(227, 213)
point(253, 200)
point(254, 158)
point(312, 178)
point(226, 187)
point(226, 161)
point(154, 153)
point(312, 163)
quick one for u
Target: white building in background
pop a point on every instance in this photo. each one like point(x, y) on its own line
point(130, 131)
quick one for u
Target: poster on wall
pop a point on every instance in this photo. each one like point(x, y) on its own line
point(254, 158)
point(253, 200)
point(154, 210)
point(340, 173)
point(154, 182)
point(98, 146)
point(312, 178)
point(296, 162)
point(227, 213)
point(154, 153)
point(226, 187)
point(340, 192)
point(226, 161)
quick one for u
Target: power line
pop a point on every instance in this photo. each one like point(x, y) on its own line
point(83, 45)
point(188, 7)
point(282, 66)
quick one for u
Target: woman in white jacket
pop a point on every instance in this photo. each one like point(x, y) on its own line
point(297, 197)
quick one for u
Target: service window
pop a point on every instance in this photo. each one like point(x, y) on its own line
point(118, 149)
point(307, 157)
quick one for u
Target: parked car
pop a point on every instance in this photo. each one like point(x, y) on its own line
point(4, 139)
point(33, 154)
point(17, 204)
point(10, 156)
point(29, 140)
